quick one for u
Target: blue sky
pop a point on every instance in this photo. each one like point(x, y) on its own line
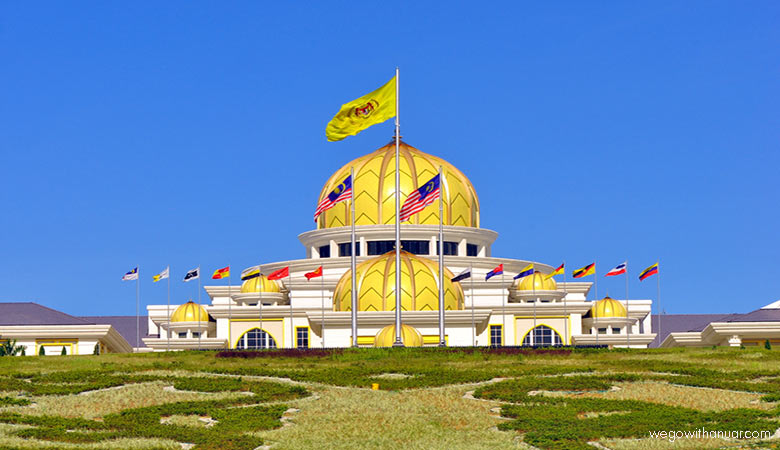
point(188, 134)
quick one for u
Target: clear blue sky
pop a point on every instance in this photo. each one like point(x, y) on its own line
point(189, 133)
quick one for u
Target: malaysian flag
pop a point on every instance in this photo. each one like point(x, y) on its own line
point(421, 198)
point(342, 192)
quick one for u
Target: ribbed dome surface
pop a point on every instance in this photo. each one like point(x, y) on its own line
point(376, 285)
point(190, 312)
point(374, 190)
point(608, 307)
point(259, 284)
point(536, 282)
point(409, 336)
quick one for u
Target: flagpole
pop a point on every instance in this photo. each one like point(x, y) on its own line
point(536, 300)
point(168, 332)
point(322, 285)
point(658, 269)
point(503, 309)
point(289, 299)
point(260, 309)
point(566, 340)
point(442, 340)
point(201, 333)
point(230, 313)
point(473, 323)
point(628, 317)
point(353, 262)
point(398, 342)
point(137, 309)
point(596, 298)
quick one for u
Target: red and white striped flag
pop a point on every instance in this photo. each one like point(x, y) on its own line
point(620, 269)
point(342, 192)
point(421, 198)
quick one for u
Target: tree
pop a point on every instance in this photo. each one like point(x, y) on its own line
point(767, 345)
point(9, 348)
point(42, 351)
point(63, 352)
point(96, 351)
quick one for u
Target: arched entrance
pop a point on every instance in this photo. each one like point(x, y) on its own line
point(255, 339)
point(542, 336)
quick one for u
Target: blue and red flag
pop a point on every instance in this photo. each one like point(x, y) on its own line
point(342, 192)
point(421, 198)
point(497, 271)
point(618, 270)
point(652, 270)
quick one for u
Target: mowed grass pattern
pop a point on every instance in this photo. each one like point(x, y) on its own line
point(557, 399)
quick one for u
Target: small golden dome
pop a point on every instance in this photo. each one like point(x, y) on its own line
point(259, 284)
point(537, 282)
point(607, 307)
point(190, 312)
point(409, 336)
point(374, 190)
point(376, 285)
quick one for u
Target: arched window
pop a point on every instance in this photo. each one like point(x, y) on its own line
point(543, 336)
point(254, 339)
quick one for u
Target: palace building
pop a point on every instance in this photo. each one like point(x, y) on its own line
point(297, 312)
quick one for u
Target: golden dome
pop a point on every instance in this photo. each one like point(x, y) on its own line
point(409, 336)
point(536, 282)
point(190, 312)
point(374, 190)
point(607, 307)
point(259, 284)
point(376, 285)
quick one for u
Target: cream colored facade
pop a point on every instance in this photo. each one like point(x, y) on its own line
point(498, 311)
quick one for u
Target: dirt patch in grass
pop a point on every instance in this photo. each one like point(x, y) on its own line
point(99, 403)
point(703, 399)
point(436, 418)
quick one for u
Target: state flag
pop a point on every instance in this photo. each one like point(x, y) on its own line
point(527, 270)
point(132, 275)
point(221, 273)
point(462, 276)
point(314, 274)
point(279, 274)
point(590, 269)
point(162, 275)
point(193, 274)
point(497, 271)
point(618, 270)
point(652, 270)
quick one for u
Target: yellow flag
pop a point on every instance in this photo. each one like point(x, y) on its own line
point(359, 114)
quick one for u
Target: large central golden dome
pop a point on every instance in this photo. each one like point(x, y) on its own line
point(376, 285)
point(374, 190)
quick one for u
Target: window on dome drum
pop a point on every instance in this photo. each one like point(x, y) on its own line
point(254, 339)
point(450, 248)
point(615, 330)
point(184, 335)
point(413, 247)
point(324, 251)
point(302, 337)
point(602, 331)
point(195, 334)
point(543, 336)
point(345, 249)
point(496, 336)
point(472, 250)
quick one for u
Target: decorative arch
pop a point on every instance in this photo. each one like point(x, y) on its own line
point(255, 338)
point(543, 336)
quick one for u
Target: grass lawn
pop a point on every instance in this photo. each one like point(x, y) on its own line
point(427, 398)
